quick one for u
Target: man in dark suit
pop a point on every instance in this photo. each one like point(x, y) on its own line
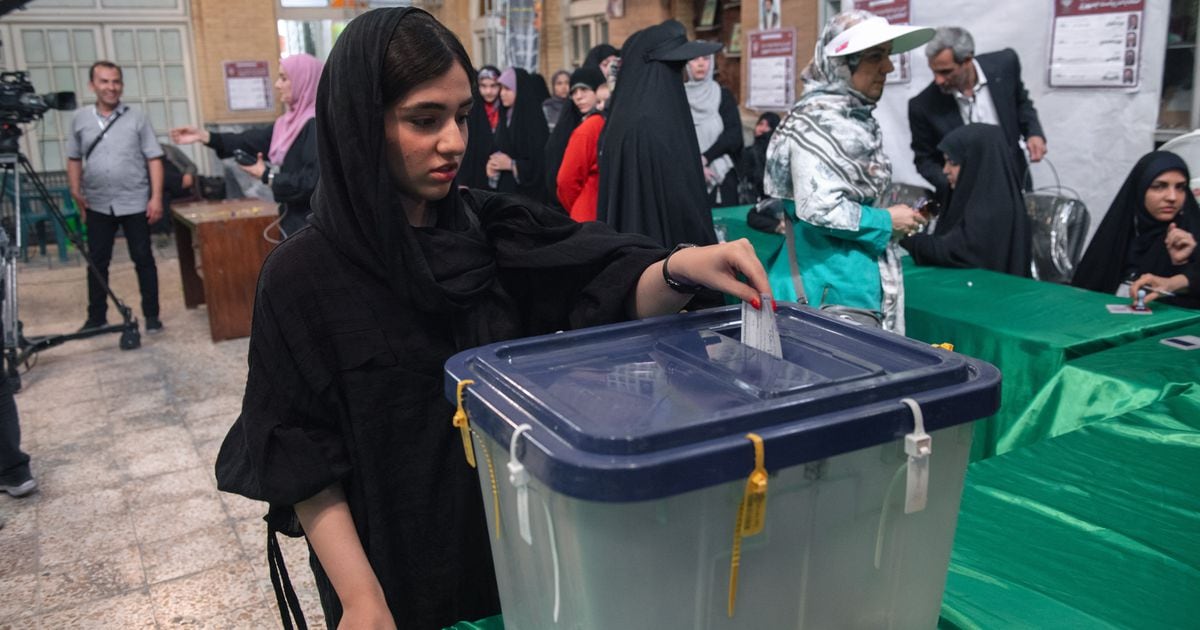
point(967, 88)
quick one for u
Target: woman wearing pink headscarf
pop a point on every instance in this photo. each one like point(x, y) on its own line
point(289, 146)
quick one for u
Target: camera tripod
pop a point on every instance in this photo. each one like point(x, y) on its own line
point(17, 347)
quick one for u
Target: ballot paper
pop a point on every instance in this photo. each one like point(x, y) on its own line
point(1125, 309)
point(758, 328)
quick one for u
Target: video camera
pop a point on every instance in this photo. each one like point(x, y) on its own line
point(18, 103)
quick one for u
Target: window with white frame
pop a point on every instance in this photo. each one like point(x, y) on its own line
point(586, 33)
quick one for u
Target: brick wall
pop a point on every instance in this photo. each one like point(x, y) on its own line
point(231, 30)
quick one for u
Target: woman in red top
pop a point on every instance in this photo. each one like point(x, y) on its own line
point(578, 182)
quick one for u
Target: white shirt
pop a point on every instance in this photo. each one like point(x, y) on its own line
point(979, 107)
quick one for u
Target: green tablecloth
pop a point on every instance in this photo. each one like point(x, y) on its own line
point(491, 623)
point(731, 221)
point(1098, 528)
point(1026, 328)
point(1107, 384)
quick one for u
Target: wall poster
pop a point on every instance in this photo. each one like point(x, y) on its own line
point(772, 69)
point(1096, 43)
point(895, 12)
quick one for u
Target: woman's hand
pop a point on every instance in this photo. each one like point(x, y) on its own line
point(256, 169)
point(1154, 284)
point(1180, 245)
point(716, 267)
point(499, 162)
point(905, 220)
point(188, 135)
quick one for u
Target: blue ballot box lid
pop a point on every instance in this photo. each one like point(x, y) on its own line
point(658, 407)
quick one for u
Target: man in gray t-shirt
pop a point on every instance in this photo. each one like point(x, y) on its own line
point(116, 174)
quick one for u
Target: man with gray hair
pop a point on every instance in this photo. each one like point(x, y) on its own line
point(968, 89)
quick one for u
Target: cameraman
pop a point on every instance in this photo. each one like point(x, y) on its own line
point(115, 169)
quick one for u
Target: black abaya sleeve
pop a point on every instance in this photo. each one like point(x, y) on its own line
point(252, 141)
point(285, 446)
point(562, 274)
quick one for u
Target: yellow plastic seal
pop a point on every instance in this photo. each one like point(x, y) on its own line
point(463, 424)
point(751, 516)
point(944, 346)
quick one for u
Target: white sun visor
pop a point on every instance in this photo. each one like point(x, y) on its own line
point(875, 31)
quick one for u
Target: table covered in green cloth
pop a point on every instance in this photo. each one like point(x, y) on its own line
point(490, 623)
point(1108, 383)
point(1028, 329)
point(1097, 528)
point(731, 222)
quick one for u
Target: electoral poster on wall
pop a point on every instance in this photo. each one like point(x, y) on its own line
point(772, 69)
point(1096, 43)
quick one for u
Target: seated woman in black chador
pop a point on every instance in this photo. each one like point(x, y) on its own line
point(1148, 237)
point(986, 225)
point(344, 429)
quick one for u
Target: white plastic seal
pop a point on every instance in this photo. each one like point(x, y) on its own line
point(918, 445)
point(519, 478)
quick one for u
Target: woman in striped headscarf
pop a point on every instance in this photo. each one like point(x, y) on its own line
point(826, 161)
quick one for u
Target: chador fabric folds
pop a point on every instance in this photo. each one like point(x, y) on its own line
point(986, 225)
point(651, 177)
point(353, 321)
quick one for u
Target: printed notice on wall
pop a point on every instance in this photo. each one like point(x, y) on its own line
point(895, 12)
point(772, 69)
point(1096, 43)
point(248, 85)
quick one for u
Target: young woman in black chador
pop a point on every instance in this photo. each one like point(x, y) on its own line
point(986, 225)
point(1148, 236)
point(344, 429)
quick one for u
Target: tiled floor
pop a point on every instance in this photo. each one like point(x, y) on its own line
point(128, 529)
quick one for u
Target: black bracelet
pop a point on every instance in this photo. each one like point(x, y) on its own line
point(266, 176)
point(674, 284)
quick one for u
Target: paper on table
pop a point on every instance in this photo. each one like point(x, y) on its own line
point(1125, 309)
point(758, 328)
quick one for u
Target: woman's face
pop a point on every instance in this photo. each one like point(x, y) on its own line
point(608, 61)
point(489, 89)
point(584, 99)
point(602, 93)
point(951, 170)
point(762, 128)
point(426, 134)
point(284, 85)
point(698, 67)
point(562, 85)
point(507, 96)
point(872, 71)
point(1164, 197)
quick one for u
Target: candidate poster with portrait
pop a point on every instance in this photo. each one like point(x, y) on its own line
point(895, 12)
point(768, 15)
point(1096, 43)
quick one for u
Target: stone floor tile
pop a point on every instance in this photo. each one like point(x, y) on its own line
point(140, 424)
point(239, 507)
point(19, 515)
point(252, 534)
point(130, 371)
point(131, 611)
point(20, 597)
point(171, 520)
point(191, 553)
point(208, 453)
point(205, 595)
point(223, 405)
point(76, 471)
point(91, 578)
point(148, 492)
point(212, 427)
point(18, 554)
point(102, 535)
point(138, 403)
point(252, 618)
point(61, 511)
point(162, 450)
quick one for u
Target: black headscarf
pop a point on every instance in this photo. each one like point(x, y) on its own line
point(1129, 241)
point(522, 136)
point(481, 144)
point(556, 146)
point(599, 54)
point(754, 161)
point(651, 178)
point(985, 225)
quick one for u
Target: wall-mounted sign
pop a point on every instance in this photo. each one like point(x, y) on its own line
point(248, 85)
point(772, 69)
point(1096, 43)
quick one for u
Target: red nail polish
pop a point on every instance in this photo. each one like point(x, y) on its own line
point(774, 305)
point(756, 303)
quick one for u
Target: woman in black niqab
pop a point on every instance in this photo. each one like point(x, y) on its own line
point(651, 176)
point(344, 429)
point(522, 136)
point(1130, 242)
point(985, 225)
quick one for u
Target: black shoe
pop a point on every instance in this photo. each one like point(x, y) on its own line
point(153, 325)
point(20, 489)
point(89, 325)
